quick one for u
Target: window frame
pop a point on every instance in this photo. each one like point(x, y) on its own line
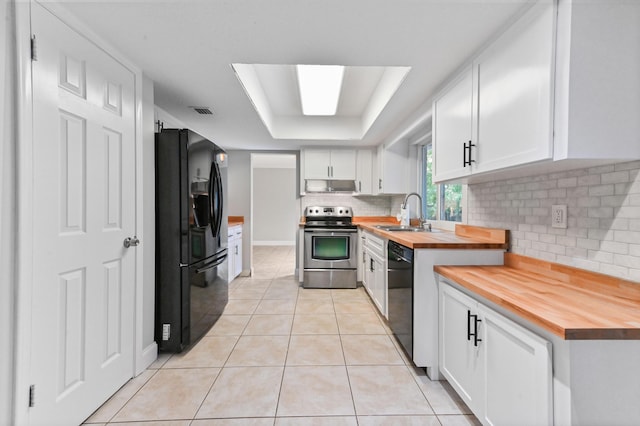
point(438, 222)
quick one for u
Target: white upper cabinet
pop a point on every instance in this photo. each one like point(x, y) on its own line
point(317, 164)
point(364, 171)
point(330, 164)
point(514, 104)
point(392, 169)
point(497, 113)
point(452, 115)
point(343, 164)
point(597, 81)
point(554, 86)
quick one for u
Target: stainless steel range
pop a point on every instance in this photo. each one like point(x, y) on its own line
point(330, 240)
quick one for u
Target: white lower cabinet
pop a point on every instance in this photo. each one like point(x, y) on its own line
point(500, 369)
point(361, 260)
point(374, 274)
point(234, 251)
point(460, 356)
point(518, 373)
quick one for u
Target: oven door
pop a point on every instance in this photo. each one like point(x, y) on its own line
point(330, 249)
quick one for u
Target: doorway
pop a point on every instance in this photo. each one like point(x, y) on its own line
point(275, 210)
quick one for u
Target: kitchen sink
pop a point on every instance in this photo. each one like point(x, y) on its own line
point(403, 228)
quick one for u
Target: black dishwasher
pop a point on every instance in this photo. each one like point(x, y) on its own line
point(400, 293)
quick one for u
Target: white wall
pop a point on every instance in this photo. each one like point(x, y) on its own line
point(7, 208)
point(603, 233)
point(239, 197)
point(148, 216)
point(276, 211)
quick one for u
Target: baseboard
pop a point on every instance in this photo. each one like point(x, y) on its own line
point(149, 355)
point(274, 243)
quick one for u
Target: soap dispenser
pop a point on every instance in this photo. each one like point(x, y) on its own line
point(404, 216)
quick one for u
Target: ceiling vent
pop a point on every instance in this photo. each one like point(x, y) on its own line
point(202, 110)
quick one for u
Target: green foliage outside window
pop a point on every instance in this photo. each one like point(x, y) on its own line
point(450, 201)
point(430, 192)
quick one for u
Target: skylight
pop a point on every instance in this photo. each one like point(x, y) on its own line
point(320, 87)
point(359, 93)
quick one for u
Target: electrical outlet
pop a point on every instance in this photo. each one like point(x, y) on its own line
point(559, 216)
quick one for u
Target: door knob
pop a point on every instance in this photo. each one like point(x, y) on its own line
point(129, 241)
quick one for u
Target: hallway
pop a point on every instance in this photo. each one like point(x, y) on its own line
point(283, 355)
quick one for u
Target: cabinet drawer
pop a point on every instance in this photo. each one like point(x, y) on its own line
point(375, 244)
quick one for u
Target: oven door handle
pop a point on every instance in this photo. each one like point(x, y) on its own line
point(331, 232)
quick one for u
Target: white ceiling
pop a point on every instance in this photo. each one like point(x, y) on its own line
point(187, 47)
point(274, 93)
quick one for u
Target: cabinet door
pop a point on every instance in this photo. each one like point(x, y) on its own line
point(515, 90)
point(392, 169)
point(360, 253)
point(373, 280)
point(460, 359)
point(231, 260)
point(451, 128)
point(237, 252)
point(364, 175)
point(517, 385)
point(367, 273)
point(238, 259)
point(343, 164)
point(379, 283)
point(317, 163)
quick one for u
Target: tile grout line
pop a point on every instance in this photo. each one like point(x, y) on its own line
point(286, 357)
point(346, 368)
point(222, 367)
point(129, 399)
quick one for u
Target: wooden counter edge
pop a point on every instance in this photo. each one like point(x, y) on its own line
point(490, 235)
point(564, 274)
point(450, 272)
point(235, 220)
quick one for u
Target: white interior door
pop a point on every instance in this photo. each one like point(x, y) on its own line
point(84, 190)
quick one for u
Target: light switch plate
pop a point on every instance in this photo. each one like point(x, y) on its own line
point(166, 331)
point(559, 216)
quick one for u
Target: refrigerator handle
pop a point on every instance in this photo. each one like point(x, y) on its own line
point(220, 198)
point(212, 265)
point(213, 184)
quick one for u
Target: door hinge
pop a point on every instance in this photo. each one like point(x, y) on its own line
point(34, 53)
point(32, 396)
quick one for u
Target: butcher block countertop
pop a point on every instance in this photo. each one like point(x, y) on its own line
point(465, 237)
point(236, 220)
point(571, 303)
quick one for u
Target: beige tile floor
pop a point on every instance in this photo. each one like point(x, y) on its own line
point(282, 355)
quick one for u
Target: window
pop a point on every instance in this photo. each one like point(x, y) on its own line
point(439, 202)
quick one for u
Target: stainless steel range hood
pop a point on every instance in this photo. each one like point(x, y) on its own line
point(330, 186)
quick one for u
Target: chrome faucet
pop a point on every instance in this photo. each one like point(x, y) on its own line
point(423, 222)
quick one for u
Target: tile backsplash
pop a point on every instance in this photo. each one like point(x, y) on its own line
point(361, 205)
point(603, 203)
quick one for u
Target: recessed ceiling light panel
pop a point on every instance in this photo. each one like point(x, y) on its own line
point(320, 87)
point(358, 96)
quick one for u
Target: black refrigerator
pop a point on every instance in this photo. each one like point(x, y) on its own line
point(191, 237)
